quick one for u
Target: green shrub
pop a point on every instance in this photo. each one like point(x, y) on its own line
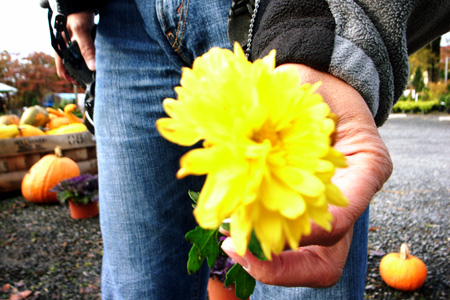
point(427, 106)
point(444, 102)
point(412, 106)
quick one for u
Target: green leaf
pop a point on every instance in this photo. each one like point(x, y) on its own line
point(64, 196)
point(244, 282)
point(207, 247)
point(195, 260)
point(255, 247)
point(194, 196)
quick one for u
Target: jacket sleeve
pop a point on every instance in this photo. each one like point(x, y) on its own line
point(69, 7)
point(366, 43)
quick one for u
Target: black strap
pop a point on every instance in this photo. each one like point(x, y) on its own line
point(239, 19)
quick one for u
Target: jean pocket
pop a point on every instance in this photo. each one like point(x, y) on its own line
point(193, 27)
point(172, 16)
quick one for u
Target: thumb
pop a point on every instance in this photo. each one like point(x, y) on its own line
point(87, 50)
point(310, 266)
point(80, 26)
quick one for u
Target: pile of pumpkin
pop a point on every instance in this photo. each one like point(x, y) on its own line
point(37, 120)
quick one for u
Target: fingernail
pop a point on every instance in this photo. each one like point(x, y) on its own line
point(229, 249)
point(91, 64)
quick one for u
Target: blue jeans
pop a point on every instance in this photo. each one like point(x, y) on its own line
point(144, 211)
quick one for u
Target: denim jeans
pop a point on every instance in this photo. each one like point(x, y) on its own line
point(144, 210)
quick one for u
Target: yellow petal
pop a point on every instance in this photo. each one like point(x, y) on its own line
point(299, 180)
point(321, 216)
point(268, 229)
point(240, 228)
point(220, 196)
point(278, 197)
point(204, 160)
point(295, 229)
point(177, 132)
point(335, 196)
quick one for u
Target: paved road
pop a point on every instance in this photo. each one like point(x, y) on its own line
point(420, 150)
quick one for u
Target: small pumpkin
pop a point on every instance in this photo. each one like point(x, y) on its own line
point(9, 120)
point(45, 174)
point(403, 271)
point(35, 115)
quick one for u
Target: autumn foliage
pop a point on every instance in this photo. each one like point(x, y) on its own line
point(34, 77)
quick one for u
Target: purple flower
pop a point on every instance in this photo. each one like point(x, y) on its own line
point(220, 269)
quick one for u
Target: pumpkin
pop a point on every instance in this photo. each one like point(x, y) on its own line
point(35, 115)
point(403, 271)
point(45, 174)
point(9, 120)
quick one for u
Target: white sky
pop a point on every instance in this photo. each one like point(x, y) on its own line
point(24, 28)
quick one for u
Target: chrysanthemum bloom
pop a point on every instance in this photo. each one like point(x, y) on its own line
point(266, 149)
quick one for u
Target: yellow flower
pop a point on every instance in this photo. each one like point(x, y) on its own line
point(266, 148)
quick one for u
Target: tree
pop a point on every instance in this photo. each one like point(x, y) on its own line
point(417, 81)
point(34, 77)
point(433, 60)
point(428, 58)
point(8, 68)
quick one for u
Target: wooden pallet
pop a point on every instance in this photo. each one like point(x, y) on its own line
point(17, 155)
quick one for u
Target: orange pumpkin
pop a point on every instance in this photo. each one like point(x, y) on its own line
point(403, 271)
point(45, 174)
point(9, 120)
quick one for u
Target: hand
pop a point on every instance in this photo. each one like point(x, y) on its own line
point(321, 258)
point(79, 26)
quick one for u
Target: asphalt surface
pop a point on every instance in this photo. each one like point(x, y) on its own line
point(413, 206)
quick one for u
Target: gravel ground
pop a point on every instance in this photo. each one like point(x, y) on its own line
point(47, 255)
point(413, 206)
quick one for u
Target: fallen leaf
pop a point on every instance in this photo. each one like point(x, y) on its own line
point(5, 288)
point(374, 228)
point(20, 295)
point(89, 289)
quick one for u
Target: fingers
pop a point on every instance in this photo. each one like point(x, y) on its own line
point(61, 70)
point(357, 137)
point(311, 266)
point(80, 26)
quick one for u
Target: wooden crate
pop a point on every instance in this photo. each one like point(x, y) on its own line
point(17, 155)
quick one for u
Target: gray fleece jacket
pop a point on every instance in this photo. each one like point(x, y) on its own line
point(366, 43)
